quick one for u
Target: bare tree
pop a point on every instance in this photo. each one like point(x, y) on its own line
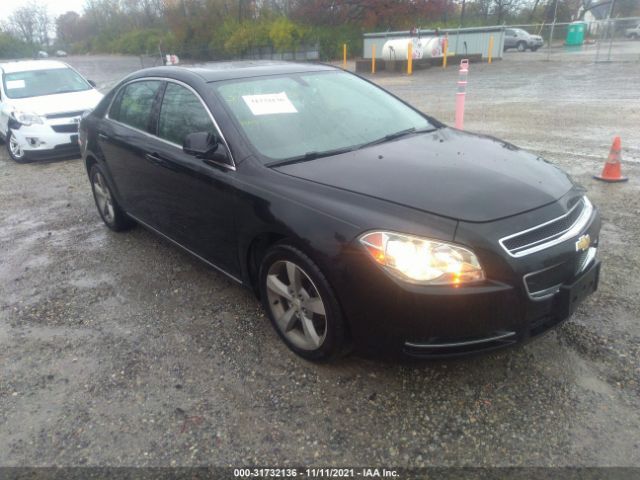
point(43, 22)
point(31, 23)
point(23, 23)
point(502, 8)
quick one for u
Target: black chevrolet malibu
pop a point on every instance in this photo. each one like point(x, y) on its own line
point(357, 220)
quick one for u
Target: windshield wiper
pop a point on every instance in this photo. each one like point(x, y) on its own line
point(393, 136)
point(309, 156)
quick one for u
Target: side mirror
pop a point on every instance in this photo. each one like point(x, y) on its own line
point(92, 83)
point(200, 144)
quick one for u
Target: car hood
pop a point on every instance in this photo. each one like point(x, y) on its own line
point(447, 172)
point(59, 103)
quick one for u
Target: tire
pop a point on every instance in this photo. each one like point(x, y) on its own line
point(15, 151)
point(533, 49)
point(521, 46)
point(297, 316)
point(110, 211)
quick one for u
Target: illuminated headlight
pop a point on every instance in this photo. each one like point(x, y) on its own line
point(27, 118)
point(424, 261)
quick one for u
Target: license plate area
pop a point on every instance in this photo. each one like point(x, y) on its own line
point(571, 296)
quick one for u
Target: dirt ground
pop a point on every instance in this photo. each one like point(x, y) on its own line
point(120, 349)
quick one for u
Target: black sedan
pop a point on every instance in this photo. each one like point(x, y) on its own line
point(357, 220)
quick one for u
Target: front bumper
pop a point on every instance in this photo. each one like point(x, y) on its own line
point(41, 141)
point(442, 321)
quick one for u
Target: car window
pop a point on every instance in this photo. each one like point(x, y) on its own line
point(182, 113)
point(510, 33)
point(134, 103)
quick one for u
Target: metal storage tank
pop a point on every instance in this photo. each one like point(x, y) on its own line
point(397, 49)
point(425, 47)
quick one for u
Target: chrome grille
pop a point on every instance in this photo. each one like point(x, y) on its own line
point(549, 233)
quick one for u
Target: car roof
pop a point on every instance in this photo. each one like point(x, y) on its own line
point(219, 71)
point(30, 65)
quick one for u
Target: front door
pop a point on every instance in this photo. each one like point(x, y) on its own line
point(194, 199)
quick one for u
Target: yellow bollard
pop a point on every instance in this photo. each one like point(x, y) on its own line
point(490, 48)
point(344, 55)
point(444, 51)
point(373, 58)
point(410, 58)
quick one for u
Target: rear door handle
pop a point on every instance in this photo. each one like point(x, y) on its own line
point(103, 136)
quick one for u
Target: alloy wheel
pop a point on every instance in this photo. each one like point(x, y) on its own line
point(15, 148)
point(296, 305)
point(104, 200)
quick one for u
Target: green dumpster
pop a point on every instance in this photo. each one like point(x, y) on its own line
point(575, 33)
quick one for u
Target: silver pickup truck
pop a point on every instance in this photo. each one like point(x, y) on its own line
point(521, 40)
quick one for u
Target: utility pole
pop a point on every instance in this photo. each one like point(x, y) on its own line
point(462, 14)
point(610, 24)
point(553, 26)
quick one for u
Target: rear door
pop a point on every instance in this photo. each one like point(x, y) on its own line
point(193, 199)
point(509, 38)
point(125, 138)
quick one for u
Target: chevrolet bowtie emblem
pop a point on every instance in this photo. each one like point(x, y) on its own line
point(583, 243)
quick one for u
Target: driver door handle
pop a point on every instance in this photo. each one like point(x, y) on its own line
point(153, 158)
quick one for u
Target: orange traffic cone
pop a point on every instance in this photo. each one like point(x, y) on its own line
point(611, 171)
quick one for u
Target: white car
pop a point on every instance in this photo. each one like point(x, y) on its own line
point(41, 103)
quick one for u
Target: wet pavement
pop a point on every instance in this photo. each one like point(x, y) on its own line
point(120, 349)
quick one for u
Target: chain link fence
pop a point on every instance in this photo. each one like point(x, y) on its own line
point(606, 40)
point(302, 53)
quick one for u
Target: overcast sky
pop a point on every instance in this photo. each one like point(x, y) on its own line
point(54, 7)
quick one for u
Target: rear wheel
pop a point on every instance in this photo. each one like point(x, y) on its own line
point(16, 152)
point(521, 46)
point(301, 304)
point(112, 215)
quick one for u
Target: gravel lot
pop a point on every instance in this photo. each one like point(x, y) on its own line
point(120, 349)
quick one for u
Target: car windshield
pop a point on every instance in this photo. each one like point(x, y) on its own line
point(35, 83)
point(308, 114)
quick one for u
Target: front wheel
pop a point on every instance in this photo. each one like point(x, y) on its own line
point(112, 215)
point(533, 49)
point(301, 304)
point(16, 152)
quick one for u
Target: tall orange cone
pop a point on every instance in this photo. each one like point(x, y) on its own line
point(611, 171)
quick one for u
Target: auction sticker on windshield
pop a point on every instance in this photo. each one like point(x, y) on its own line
point(269, 104)
point(11, 84)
